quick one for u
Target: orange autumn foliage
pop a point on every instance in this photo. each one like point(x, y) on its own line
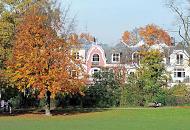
point(43, 60)
point(131, 38)
point(126, 37)
point(73, 38)
point(151, 34)
point(87, 36)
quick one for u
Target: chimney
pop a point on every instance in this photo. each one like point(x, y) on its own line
point(94, 39)
point(172, 41)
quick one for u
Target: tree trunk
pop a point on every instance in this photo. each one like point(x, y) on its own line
point(47, 109)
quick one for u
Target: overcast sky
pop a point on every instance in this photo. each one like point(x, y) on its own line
point(108, 19)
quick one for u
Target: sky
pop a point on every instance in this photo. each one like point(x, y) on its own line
point(108, 19)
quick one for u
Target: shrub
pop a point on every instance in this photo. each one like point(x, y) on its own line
point(66, 100)
point(16, 101)
point(180, 94)
point(105, 92)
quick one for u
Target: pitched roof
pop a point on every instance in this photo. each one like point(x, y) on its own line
point(127, 51)
point(120, 48)
point(180, 46)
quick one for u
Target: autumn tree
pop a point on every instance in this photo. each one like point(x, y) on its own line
point(87, 36)
point(153, 34)
point(150, 34)
point(73, 37)
point(131, 37)
point(9, 17)
point(11, 12)
point(42, 60)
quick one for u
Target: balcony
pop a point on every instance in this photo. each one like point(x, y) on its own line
point(95, 63)
point(184, 80)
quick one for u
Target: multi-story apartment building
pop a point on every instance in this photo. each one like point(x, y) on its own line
point(97, 56)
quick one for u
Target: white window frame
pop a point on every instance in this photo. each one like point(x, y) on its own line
point(96, 58)
point(94, 70)
point(77, 55)
point(169, 60)
point(178, 71)
point(116, 57)
point(74, 74)
point(179, 59)
point(134, 58)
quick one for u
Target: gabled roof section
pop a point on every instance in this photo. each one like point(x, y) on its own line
point(180, 46)
point(120, 48)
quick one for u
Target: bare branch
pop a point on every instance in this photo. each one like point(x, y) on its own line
point(183, 36)
point(184, 22)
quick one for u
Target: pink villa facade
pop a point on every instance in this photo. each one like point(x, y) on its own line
point(95, 59)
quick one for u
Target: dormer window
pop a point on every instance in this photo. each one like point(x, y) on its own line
point(96, 58)
point(179, 59)
point(116, 57)
point(136, 58)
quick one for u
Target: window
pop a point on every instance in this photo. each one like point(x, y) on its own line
point(132, 73)
point(179, 59)
point(95, 58)
point(168, 60)
point(74, 73)
point(136, 58)
point(76, 55)
point(116, 57)
point(95, 71)
point(179, 73)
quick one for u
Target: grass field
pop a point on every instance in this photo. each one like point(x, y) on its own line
point(129, 119)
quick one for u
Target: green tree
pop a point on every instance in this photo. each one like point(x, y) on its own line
point(134, 92)
point(151, 72)
point(147, 83)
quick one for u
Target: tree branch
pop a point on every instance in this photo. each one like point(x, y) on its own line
point(183, 37)
point(184, 23)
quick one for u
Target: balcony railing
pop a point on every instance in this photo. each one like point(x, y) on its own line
point(185, 80)
point(95, 63)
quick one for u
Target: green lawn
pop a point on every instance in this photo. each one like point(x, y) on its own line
point(129, 119)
